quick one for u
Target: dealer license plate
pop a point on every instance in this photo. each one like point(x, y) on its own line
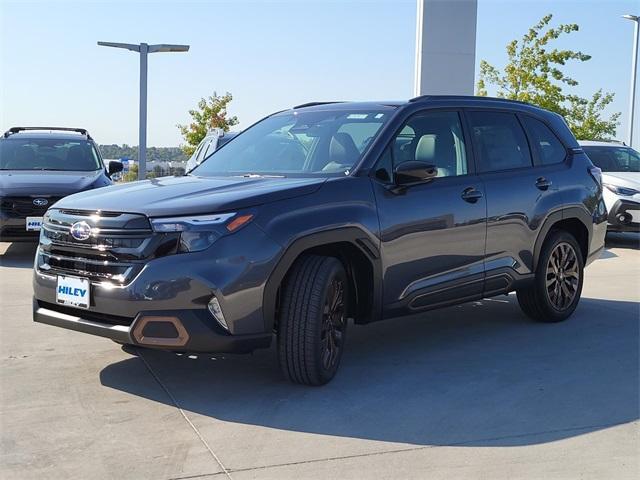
point(73, 291)
point(33, 224)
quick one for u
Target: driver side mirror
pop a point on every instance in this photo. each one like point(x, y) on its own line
point(114, 167)
point(413, 172)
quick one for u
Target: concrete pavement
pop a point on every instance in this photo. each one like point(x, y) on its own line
point(473, 391)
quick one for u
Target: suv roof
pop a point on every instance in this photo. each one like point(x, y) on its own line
point(457, 100)
point(43, 132)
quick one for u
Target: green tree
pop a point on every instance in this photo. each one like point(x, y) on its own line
point(132, 174)
point(154, 154)
point(210, 113)
point(585, 117)
point(533, 74)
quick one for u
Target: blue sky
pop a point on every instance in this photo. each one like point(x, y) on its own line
point(270, 55)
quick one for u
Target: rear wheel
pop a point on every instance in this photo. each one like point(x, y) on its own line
point(313, 320)
point(557, 287)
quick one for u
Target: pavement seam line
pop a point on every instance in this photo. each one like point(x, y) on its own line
point(413, 449)
point(184, 415)
point(189, 477)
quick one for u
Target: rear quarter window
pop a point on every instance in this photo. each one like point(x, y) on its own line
point(545, 143)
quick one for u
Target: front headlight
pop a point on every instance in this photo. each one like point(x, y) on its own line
point(624, 191)
point(199, 232)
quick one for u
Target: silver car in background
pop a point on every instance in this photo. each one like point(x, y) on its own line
point(620, 165)
point(215, 139)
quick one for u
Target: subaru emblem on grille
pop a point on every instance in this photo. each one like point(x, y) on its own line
point(40, 202)
point(80, 230)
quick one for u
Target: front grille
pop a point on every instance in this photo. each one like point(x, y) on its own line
point(63, 237)
point(24, 207)
point(86, 267)
point(117, 249)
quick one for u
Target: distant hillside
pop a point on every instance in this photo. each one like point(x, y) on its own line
point(154, 154)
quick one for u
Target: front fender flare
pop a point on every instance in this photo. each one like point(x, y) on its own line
point(352, 235)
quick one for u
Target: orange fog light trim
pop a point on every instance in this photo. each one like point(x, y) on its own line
point(178, 341)
point(237, 222)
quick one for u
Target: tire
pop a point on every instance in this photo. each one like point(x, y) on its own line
point(313, 320)
point(556, 290)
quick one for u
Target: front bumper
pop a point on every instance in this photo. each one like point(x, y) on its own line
point(624, 216)
point(195, 335)
point(165, 304)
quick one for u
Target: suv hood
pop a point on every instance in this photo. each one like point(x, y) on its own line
point(169, 196)
point(42, 182)
point(622, 179)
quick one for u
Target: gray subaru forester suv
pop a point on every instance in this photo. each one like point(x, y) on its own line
point(327, 214)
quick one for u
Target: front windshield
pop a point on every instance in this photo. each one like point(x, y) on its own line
point(298, 143)
point(48, 154)
point(614, 159)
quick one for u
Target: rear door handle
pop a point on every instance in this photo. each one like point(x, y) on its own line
point(542, 183)
point(471, 195)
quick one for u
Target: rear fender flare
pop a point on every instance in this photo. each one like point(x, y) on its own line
point(578, 213)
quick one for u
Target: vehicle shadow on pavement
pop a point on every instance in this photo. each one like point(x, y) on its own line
point(18, 255)
point(475, 374)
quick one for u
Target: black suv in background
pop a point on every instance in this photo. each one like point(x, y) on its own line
point(39, 166)
point(324, 213)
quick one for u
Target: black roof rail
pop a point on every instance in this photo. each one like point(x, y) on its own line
point(465, 97)
point(313, 104)
point(81, 131)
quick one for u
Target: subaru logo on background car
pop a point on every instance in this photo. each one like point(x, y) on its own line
point(80, 230)
point(40, 202)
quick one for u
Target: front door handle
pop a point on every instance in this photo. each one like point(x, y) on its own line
point(542, 183)
point(471, 195)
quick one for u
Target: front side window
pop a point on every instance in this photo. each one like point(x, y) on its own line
point(48, 154)
point(549, 149)
point(500, 141)
point(614, 159)
point(298, 143)
point(434, 138)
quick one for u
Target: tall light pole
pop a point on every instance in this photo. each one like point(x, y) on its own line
point(143, 49)
point(634, 71)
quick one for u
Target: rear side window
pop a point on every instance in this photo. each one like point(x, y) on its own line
point(544, 142)
point(500, 141)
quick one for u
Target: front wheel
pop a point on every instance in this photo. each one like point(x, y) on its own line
point(313, 320)
point(557, 287)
